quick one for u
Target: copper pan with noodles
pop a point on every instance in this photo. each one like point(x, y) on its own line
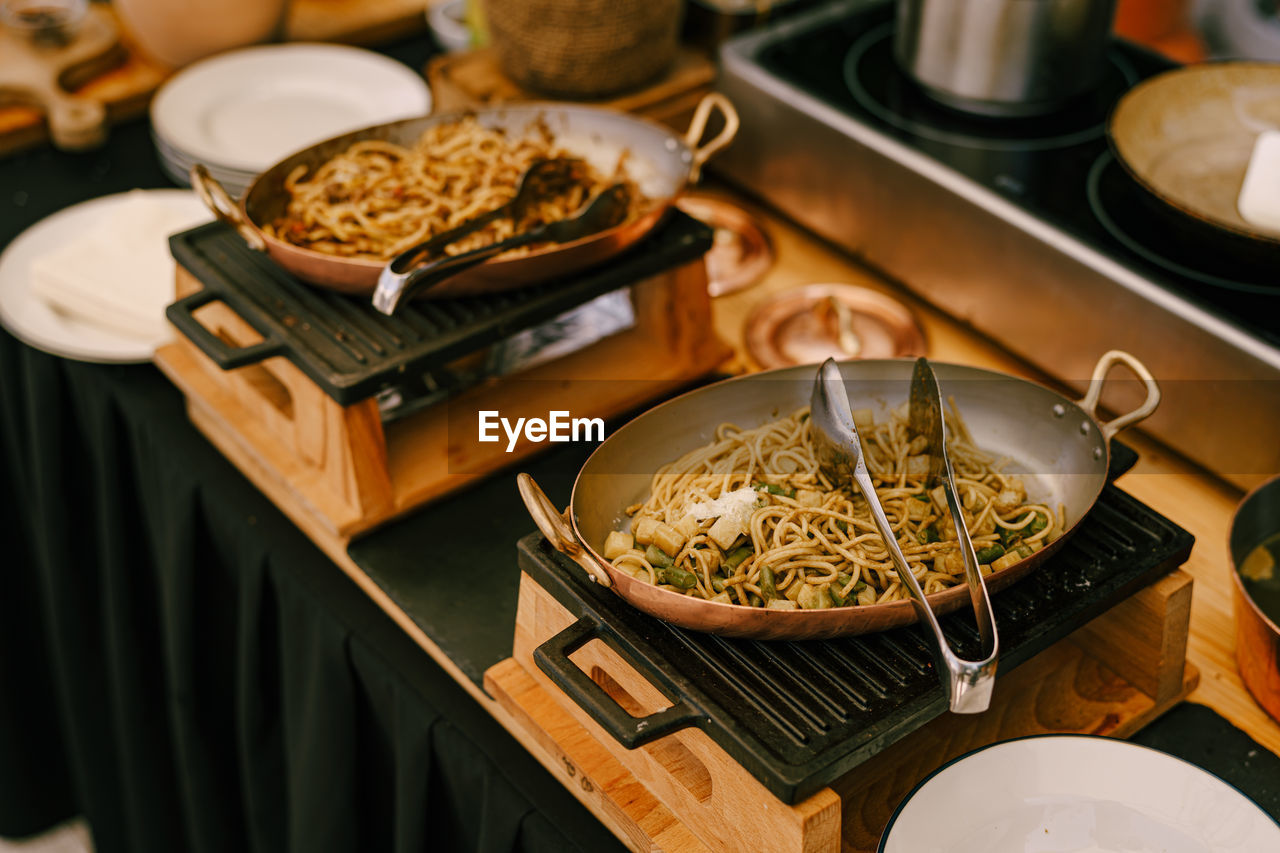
point(660, 163)
point(1058, 447)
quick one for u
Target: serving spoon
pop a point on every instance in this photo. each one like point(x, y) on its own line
point(399, 280)
point(839, 450)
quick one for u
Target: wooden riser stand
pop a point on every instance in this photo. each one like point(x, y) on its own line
point(337, 470)
point(683, 793)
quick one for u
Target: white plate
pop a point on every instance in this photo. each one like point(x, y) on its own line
point(1076, 794)
point(31, 320)
point(247, 109)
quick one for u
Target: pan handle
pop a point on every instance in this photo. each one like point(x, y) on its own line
point(698, 126)
point(552, 658)
point(558, 532)
point(1090, 400)
point(223, 206)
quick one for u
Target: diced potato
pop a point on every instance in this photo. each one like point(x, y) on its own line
point(917, 510)
point(644, 529)
point(793, 591)
point(668, 539)
point(918, 467)
point(919, 444)
point(864, 419)
point(616, 544)
point(867, 597)
point(725, 531)
point(813, 597)
point(722, 597)
point(939, 496)
point(1011, 496)
point(987, 527)
point(952, 563)
point(688, 526)
point(1006, 561)
point(808, 497)
point(780, 604)
point(1035, 545)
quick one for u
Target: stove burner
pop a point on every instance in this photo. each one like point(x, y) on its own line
point(1111, 196)
point(873, 78)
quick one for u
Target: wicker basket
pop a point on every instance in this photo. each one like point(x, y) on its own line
point(583, 48)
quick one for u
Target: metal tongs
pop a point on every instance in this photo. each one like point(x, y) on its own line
point(426, 265)
point(839, 450)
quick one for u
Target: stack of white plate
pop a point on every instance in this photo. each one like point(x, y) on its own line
point(241, 112)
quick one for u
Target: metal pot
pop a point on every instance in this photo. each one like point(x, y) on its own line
point(662, 163)
point(1257, 636)
point(1058, 446)
point(1004, 57)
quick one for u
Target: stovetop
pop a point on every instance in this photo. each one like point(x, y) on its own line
point(1057, 168)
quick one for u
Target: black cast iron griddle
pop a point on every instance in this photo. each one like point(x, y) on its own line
point(799, 715)
point(350, 350)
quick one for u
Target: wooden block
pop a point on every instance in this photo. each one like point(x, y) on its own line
point(722, 804)
point(339, 471)
point(463, 81)
point(1064, 689)
point(1144, 638)
point(585, 767)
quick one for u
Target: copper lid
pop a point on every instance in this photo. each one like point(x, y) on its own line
point(742, 251)
point(809, 324)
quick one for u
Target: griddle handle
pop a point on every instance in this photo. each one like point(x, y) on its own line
point(552, 658)
point(182, 315)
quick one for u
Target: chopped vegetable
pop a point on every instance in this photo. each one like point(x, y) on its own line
point(644, 529)
point(774, 489)
point(768, 590)
point(668, 539)
point(929, 534)
point(781, 604)
point(616, 544)
point(656, 557)
point(736, 556)
point(991, 552)
point(726, 530)
point(677, 577)
point(808, 497)
point(813, 597)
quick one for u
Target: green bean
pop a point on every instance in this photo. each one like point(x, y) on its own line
point(768, 590)
point(677, 577)
point(929, 534)
point(990, 553)
point(657, 557)
point(735, 557)
point(774, 489)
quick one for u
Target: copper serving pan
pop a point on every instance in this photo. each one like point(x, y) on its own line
point(1058, 446)
point(1257, 636)
point(661, 162)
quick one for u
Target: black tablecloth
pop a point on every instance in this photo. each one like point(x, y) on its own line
point(183, 667)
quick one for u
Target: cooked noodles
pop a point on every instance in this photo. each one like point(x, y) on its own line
point(377, 198)
point(750, 519)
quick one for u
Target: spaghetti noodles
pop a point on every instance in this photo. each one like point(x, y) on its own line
point(377, 198)
point(750, 519)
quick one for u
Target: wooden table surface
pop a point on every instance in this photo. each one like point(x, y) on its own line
point(1193, 498)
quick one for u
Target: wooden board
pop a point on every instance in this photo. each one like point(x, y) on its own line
point(121, 85)
point(1065, 689)
point(124, 88)
point(462, 81)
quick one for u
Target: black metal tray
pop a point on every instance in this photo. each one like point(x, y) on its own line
point(799, 715)
point(350, 350)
